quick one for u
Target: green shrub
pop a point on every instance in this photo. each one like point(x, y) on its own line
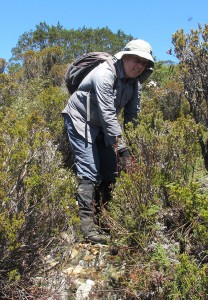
point(159, 212)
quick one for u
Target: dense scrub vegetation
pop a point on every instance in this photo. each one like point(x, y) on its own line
point(159, 209)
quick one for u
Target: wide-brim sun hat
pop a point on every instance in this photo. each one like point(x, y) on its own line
point(141, 49)
point(138, 47)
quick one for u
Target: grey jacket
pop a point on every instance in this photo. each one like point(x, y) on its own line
point(99, 98)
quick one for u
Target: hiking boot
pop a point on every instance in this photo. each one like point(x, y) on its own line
point(102, 197)
point(85, 197)
point(93, 233)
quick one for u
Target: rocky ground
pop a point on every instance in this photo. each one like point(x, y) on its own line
point(85, 271)
point(88, 272)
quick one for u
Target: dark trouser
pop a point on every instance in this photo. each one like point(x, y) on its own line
point(95, 162)
point(96, 167)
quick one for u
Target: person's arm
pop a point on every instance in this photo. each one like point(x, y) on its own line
point(103, 87)
point(132, 108)
point(131, 111)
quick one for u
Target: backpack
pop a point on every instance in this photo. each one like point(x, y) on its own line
point(77, 71)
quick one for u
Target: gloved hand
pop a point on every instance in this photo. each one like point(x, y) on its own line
point(124, 159)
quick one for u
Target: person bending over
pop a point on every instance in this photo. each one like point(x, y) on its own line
point(95, 135)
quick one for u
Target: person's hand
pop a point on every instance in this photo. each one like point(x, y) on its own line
point(124, 159)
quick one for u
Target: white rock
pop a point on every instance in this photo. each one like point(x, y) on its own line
point(84, 290)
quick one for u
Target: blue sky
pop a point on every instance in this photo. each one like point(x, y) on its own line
point(154, 20)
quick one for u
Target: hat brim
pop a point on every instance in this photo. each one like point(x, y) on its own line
point(138, 53)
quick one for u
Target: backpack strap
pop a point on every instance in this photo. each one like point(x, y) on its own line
point(88, 107)
point(111, 62)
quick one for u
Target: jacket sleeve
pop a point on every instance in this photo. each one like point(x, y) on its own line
point(103, 85)
point(132, 108)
